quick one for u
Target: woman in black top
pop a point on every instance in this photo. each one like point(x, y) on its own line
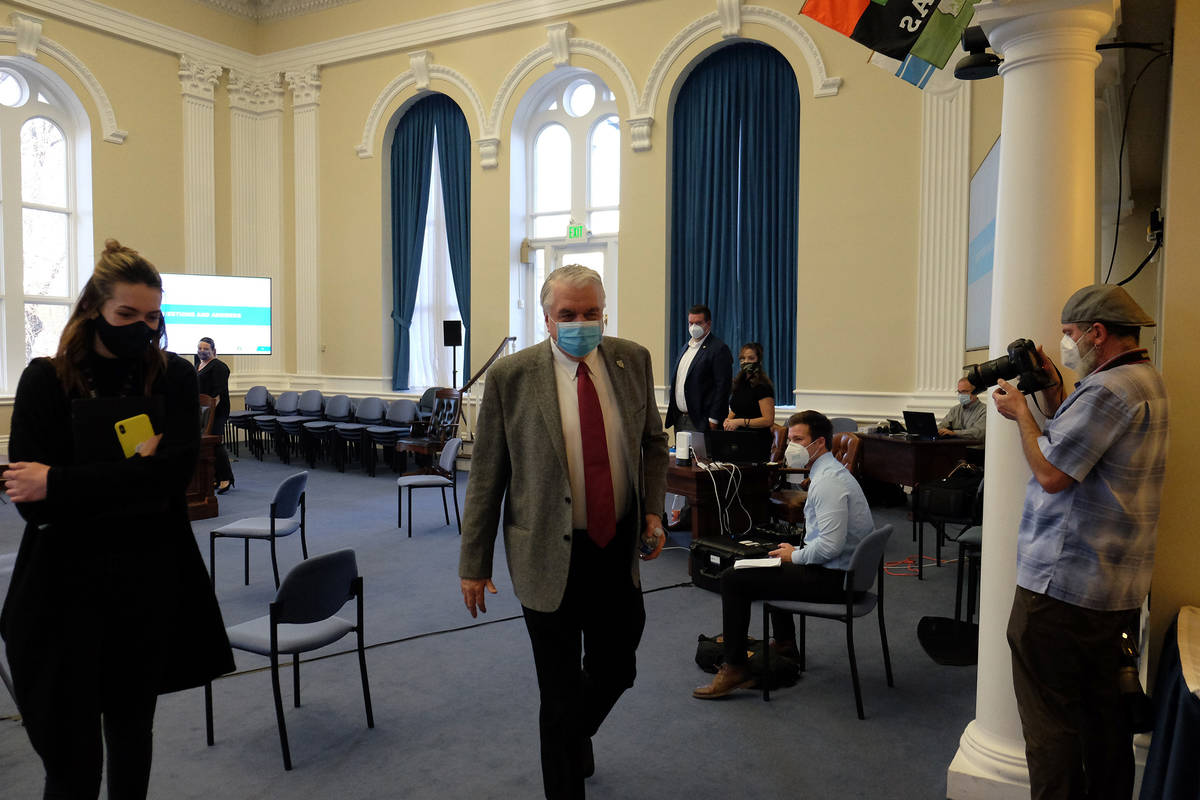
point(752, 402)
point(213, 378)
point(110, 604)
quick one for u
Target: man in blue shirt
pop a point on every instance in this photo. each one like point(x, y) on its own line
point(1085, 547)
point(836, 519)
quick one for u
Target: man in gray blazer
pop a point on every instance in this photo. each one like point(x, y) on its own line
point(570, 444)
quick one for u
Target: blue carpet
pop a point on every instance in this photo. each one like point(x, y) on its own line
point(456, 699)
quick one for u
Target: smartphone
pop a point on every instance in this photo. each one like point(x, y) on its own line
point(132, 432)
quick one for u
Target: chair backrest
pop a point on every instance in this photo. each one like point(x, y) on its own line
point(401, 411)
point(287, 404)
point(845, 450)
point(427, 399)
point(258, 398)
point(339, 408)
point(370, 410)
point(444, 421)
point(450, 455)
point(287, 496)
point(778, 443)
point(864, 563)
point(207, 404)
point(843, 425)
point(316, 588)
point(311, 403)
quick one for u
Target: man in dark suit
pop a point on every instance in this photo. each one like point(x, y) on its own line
point(570, 444)
point(699, 395)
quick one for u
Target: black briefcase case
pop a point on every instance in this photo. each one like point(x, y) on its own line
point(711, 556)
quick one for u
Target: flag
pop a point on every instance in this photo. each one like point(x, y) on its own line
point(911, 38)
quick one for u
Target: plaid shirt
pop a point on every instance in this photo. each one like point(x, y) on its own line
point(1092, 544)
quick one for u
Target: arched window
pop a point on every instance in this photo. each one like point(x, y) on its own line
point(568, 134)
point(734, 207)
point(44, 172)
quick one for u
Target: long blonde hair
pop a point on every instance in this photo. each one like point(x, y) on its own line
point(117, 264)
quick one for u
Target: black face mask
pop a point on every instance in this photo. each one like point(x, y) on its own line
point(125, 341)
point(751, 367)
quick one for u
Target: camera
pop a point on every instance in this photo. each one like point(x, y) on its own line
point(1022, 362)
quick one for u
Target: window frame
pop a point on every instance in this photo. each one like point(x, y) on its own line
point(48, 97)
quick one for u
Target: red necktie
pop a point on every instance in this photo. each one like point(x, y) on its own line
point(597, 474)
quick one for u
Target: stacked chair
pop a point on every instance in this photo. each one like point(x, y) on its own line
point(317, 436)
point(443, 425)
point(258, 401)
point(288, 430)
point(398, 422)
point(265, 425)
point(353, 435)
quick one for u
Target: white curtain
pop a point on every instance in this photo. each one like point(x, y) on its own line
point(429, 358)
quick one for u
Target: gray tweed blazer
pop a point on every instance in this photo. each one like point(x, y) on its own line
point(519, 462)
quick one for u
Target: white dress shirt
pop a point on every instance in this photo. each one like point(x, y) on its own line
point(685, 363)
point(568, 408)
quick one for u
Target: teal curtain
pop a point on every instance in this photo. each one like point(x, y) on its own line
point(411, 165)
point(735, 174)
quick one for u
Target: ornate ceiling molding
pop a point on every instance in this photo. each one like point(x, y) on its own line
point(259, 10)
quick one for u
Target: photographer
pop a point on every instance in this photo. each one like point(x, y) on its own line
point(1085, 547)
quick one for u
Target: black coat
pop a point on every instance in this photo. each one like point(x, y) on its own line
point(706, 388)
point(213, 381)
point(109, 589)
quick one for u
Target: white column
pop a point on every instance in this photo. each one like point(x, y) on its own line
point(942, 257)
point(256, 143)
point(1045, 250)
point(306, 92)
point(197, 80)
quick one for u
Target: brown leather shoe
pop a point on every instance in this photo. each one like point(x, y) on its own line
point(729, 678)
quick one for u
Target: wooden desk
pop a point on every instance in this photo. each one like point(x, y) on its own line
point(697, 486)
point(201, 499)
point(910, 462)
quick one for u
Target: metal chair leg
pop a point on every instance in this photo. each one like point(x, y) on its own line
point(274, 562)
point(208, 713)
point(445, 509)
point(296, 679)
point(283, 740)
point(854, 667)
point(246, 548)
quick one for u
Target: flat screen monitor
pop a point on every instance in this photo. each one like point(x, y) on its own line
point(232, 310)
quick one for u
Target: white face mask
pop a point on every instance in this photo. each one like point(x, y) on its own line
point(1072, 359)
point(796, 456)
point(697, 331)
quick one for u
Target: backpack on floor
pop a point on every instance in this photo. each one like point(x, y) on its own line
point(710, 655)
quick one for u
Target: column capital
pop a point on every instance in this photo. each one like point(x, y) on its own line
point(305, 85)
point(197, 78)
point(1023, 30)
point(258, 94)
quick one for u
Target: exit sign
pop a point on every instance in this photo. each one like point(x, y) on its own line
point(576, 232)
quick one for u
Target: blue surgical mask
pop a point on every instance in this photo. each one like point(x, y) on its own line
point(964, 398)
point(579, 338)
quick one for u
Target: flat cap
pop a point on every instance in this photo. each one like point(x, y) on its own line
point(1105, 302)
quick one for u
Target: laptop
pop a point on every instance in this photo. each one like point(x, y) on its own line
point(739, 447)
point(921, 424)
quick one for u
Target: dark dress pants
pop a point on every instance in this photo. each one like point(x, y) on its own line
point(1065, 661)
point(222, 469)
point(601, 619)
point(741, 587)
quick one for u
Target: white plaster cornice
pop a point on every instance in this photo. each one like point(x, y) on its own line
point(108, 117)
point(259, 10)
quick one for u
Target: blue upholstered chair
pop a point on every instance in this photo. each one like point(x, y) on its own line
point(285, 518)
point(302, 618)
point(443, 476)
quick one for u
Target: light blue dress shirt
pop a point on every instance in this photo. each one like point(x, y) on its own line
point(836, 515)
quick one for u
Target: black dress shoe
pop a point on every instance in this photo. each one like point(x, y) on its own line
point(225, 487)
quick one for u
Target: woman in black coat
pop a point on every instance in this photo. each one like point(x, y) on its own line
point(110, 604)
point(213, 378)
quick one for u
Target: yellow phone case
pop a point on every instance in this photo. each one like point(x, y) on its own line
point(132, 432)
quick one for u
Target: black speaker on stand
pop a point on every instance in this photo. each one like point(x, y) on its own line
point(452, 338)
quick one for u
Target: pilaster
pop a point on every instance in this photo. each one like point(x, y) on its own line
point(306, 92)
point(197, 80)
